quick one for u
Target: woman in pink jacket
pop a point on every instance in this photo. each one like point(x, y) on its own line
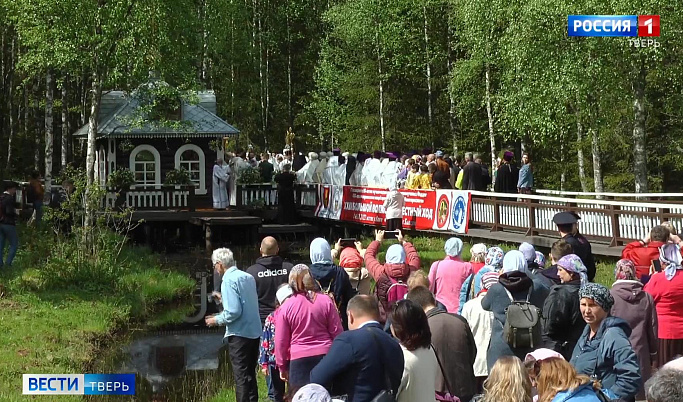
point(305, 326)
point(447, 276)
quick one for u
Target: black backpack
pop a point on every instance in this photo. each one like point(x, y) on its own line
point(522, 327)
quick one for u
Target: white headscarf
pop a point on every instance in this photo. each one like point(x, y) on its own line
point(396, 254)
point(320, 251)
point(514, 261)
point(453, 247)
point(312, 393)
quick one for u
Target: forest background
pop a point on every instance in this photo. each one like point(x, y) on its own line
point(459, 75)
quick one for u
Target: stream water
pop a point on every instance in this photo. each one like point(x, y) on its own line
point(182, 361)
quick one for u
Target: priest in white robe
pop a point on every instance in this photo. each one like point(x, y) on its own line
point(221, 175)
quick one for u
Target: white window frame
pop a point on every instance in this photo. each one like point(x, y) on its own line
point(201, 189)
point(101, 164)
point(157, 161)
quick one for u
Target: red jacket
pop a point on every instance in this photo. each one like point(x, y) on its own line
point(642, 256)
point(668, 297)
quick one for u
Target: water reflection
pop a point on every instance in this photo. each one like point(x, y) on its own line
point(161, 358)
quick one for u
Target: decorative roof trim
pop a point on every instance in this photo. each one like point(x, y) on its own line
point(165, 135)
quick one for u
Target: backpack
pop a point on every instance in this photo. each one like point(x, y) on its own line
point(522, 327)
point(329, 292)
point(397, 291)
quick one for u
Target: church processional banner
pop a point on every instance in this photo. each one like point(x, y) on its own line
point(442, 210)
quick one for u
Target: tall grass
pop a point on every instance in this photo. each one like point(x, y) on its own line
point(63, 304)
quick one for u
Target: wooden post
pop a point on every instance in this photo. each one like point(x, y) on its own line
point(532, 218)
point(496, 215)
point(238, 196)
point(191, 199)
point(208, 237)
point(614, 220)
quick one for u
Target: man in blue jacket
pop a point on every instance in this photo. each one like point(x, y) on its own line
point(240, 316)
point(364, 361)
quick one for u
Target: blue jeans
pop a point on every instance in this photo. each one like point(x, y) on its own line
point(9, 233)
point(38, 207)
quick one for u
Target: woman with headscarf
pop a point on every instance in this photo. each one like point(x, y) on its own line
point(305, 327)
point(478, 256)
point(393, 208)
point(514, 284)
point(351, 259)
point(604, 351)
point(480, 322)
point(401, 260)
point(637, 308)
point(530, 254)
point(562, 321)
point(507, 175)
point(666, 288)
point(447, 276)
point(493, 262)
point(330, 278)
point(540, 260)
point(313, 393)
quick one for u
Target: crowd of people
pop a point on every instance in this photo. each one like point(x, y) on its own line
point(354, 325)
point(414, 170)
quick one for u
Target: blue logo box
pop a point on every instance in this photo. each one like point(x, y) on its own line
point(602, 25)
point(79, 384)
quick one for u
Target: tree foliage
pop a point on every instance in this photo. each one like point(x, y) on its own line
point(360, 74)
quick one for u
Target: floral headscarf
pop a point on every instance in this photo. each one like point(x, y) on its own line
point(540, 260)
point(599, 294)
point(494, 258)
point(573, 263)
point(625, 270)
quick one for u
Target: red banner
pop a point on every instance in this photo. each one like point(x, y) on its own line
point(365, 205)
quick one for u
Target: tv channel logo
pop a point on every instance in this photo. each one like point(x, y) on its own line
point(613, 25)
point(79, 384)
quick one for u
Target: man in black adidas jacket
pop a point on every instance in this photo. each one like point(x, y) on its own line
point(270, 271)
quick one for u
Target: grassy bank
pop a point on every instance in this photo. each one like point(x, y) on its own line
point(61, 304)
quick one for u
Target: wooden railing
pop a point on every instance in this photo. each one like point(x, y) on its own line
point(613, 222)
point(157, 197)
point(257, 195)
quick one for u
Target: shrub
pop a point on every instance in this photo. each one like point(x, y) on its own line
point(121, 178)
point(178, 177)
point(249, 175)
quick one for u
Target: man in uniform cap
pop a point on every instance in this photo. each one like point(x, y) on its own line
point(566, 224)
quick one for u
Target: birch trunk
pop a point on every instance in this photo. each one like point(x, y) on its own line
point(381, 92)
point(95, 96)
point(639, 136)
point(10, 104)
point(451, 99)
point(489, 113)
point(49, 131)
point(232, 64)
point(428, 71)
point(563, 175)
point(579, 145)
point(65, 123)
point(597, 163)
point(289, 72)
point(36, 136)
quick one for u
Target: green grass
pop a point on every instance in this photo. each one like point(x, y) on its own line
point(56, 317)
point(228, 394)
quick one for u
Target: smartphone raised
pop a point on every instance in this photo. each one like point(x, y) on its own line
point(391, 234)
point(657, 265)
point(348, 242)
